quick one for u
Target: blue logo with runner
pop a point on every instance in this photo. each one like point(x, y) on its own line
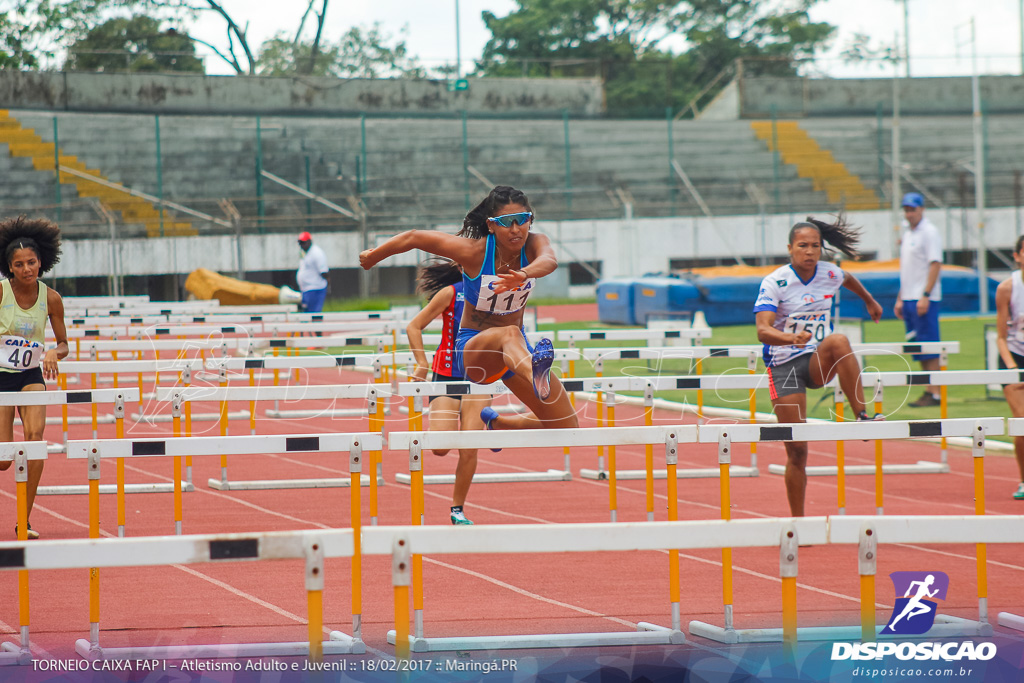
point(914, 613)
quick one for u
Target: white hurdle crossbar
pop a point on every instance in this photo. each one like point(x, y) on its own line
point(727, 435)
point(416, 442)
point(371, 393)
point(687, 335)
point(19, 453)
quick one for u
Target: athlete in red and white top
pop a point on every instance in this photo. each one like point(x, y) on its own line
point(794, 322)
point(441, 280)
point(1010, 341)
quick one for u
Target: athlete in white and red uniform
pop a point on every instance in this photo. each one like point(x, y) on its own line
point(793, 312)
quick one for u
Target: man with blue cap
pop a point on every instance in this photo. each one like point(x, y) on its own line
point(920, 294)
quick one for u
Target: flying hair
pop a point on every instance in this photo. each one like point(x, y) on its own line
point(838, 234)
point(436, 274)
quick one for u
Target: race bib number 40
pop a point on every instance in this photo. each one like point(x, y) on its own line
point(815, 322)
point(17, 353)
point(511, 301)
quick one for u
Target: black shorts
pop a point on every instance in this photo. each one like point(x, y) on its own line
point(16, 381)
point(1017, 358)
point(445, 378)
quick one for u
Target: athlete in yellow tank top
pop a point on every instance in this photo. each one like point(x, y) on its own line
point(29, 248)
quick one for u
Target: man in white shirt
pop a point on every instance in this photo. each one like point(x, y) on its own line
point(918, 301)
point(312, 274)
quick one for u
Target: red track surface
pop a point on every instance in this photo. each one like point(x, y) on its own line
point(485, 594)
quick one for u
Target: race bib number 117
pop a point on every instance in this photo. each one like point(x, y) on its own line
point(490, 301)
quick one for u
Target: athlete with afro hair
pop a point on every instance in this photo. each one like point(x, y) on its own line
point(30, 248)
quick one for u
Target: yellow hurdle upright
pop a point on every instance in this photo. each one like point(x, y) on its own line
point(21, 500)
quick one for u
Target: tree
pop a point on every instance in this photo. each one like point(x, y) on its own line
point(133, 44)
point(361, 53)
point(651, 54)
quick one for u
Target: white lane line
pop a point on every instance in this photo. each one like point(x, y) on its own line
point(529, 594)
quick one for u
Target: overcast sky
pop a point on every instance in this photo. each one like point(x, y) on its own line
point(940, 42)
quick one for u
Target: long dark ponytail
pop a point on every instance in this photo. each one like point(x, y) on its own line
point(839, 234)
point(475, 224)
point(436, 274)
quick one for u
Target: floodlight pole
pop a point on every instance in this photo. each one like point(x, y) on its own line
point(906, 34)
point(979, 176)
point(458, 46)
point(896, 193)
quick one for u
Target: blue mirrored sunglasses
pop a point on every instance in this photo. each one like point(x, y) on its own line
point(509, 219)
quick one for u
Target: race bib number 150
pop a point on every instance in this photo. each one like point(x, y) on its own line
point(17, 353)
point(511, 301)
point(815, 322)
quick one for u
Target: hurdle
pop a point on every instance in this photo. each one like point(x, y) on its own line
point(368, 392)
point(416, 442)
point(64, 398)
point(95, 450)
point(726, 435)
point(321, 361)
point(177, 447)
point(699, 353)
point(20, 453)
point(943, 378)
point(182, 366)
point(311, 546)
point(420, 390)
point(1014, 427)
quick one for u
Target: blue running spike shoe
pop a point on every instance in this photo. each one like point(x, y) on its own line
point(1017, 495)
point(543, 357)
point(489, 415)
point(459, 517)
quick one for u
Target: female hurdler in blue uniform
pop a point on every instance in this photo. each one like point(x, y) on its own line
point(501, 260)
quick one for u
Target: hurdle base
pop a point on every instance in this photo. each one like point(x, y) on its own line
point(490, 477)
point(11, 654)
point(922, 467)
point(266, 484)
point(355, 645)
point(196, 417)
point(1010, 620)
point(944, 627)
point(339, 412)
point(654, 636)
point(75, 420)
point(220, 651)
point(78, 490)
point(705, 473)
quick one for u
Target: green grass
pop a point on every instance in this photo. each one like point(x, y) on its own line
point(964, 401)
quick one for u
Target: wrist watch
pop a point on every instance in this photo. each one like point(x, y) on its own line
point(926, 294)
